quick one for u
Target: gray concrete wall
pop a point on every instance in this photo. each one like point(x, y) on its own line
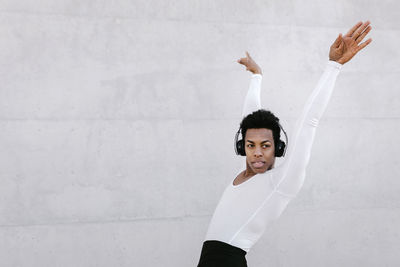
point(117, 121)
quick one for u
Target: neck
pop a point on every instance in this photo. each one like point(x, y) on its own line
point(249, 172)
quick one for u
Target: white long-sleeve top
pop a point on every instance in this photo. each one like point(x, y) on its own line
point(244, 210)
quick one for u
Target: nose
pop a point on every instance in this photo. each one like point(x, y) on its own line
point(257, 152)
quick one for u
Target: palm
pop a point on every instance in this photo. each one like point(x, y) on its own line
point(345, 47)
point(346, 51)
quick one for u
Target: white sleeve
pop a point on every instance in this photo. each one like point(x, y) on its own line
point(252, 101)
point(292, 173)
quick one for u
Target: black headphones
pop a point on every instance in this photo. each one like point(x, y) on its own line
point(280, 147)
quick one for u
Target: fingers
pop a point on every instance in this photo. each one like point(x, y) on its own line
point(353, 29)
point(242, 60)
point(340, 47)
point(245, 60)
point(359, 30)
point(361, 37)
point(361, 46)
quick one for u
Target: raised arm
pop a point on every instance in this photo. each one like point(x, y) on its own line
point(252, 101)
point(292, 173)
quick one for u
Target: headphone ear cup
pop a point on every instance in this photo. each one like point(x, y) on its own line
point(240, 148)
point(280, 149)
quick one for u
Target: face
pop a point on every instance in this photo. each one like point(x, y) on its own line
point(260, 150)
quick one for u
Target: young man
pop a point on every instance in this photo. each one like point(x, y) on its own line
point(261, 192)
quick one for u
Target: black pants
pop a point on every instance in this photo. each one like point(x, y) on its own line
point(220, 254)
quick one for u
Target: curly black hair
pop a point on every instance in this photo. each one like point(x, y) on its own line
point(262, 119)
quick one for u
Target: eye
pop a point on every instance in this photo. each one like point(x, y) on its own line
point(250, 145)
point(266, 146)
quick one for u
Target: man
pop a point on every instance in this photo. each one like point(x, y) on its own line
point(261, 192)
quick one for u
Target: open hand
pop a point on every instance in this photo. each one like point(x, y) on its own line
point(345, 47)
point(250, 64)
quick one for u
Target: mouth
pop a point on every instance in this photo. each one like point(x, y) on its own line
point(258, 164)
